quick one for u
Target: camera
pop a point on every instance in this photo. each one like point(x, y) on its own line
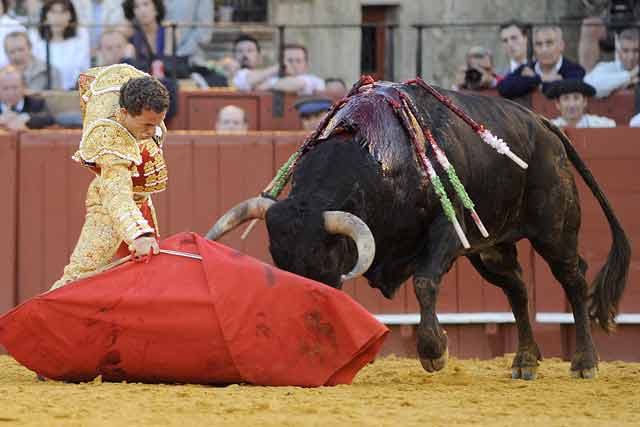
point(619, 15)
point(473, 79)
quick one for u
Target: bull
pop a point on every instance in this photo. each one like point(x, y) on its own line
point(361, 204)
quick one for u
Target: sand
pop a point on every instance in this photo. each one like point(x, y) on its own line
point(390, 392)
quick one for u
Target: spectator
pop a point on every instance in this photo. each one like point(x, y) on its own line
point(99, 16)
point(335, 87)
point(550, 66)
point(297, 78)
point(198, 12)
point(7, 25)
point(607, 77)
point(635, 121)
point(151, 41)
point(598, 30)
point(478, 73)
point(17, 110)
point(68, 44)
point(18, 48)
point(312, 111)
point(249, 75)
point(571, 100)
point(112, 48)
point(231, 119)
point(514, 41)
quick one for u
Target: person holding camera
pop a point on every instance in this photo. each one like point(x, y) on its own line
point(598, 30)
point(478, 73)
point(550, 66)
point(607, 77)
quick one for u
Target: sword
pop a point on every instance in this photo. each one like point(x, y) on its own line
point(180, 253)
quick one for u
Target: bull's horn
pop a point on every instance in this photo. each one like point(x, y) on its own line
point(339, 222)
point(256, 207)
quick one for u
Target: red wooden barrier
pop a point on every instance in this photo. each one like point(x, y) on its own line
point(8, 219)
point(198, 110)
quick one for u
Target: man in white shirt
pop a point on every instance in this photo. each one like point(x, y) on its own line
point(246, 52)
point(622, 73)
point(297, 78)
point(571, 100)
point(514, 41)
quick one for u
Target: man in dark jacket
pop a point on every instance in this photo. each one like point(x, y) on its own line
point(550, 66)
point(17, 110)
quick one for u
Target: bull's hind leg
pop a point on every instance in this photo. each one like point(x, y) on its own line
point(499, 265)
point(568, 268)
point(432, 339)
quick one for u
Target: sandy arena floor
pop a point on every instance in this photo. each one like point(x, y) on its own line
point(389, 392)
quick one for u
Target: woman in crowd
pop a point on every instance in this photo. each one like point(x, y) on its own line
point(68, 45)
point(151, 41)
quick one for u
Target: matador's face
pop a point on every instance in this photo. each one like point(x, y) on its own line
point(143, 125)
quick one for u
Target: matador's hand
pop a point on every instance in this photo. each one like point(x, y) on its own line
point(144, 246)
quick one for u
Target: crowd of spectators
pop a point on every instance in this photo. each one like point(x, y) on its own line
point(50, 42)
point(548, 70)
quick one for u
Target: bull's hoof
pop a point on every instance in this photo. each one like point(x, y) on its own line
point(433, 365)
point(587, 374)
point(524, 373)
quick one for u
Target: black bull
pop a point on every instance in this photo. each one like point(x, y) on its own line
point(364, 164)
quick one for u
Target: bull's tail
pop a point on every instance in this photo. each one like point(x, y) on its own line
point(611, 280)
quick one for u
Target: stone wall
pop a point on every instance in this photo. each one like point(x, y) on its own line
point(336, 51)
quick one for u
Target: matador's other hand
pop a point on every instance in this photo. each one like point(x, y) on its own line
point(144, 246)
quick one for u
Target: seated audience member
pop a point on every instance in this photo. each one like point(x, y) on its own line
point(7, 25)
point(297, 78)
point(312, 111)
point(189, 38)
point(478, 73)
point(231, 119)
point(622, 73)
point(68, 44)
point(100, 15)
point(19, 111)
point(112, 48)
point(151, 41)
point(514, 42)
point(551, 65)
point(335, 87)
point(17, 46)
point(249, 75)
point(571, 100)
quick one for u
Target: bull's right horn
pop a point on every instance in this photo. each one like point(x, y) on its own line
point(256, 207)
point(340, 222)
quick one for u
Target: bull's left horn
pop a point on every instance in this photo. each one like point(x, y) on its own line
point(339, 222)
point(256, 207)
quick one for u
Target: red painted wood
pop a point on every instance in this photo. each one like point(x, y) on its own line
point(8, 219)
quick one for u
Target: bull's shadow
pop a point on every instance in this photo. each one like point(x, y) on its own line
point(362, 204)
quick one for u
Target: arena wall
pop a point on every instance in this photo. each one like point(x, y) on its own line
point(43, 211)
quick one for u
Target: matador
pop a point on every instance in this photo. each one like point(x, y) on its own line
point(123, 132)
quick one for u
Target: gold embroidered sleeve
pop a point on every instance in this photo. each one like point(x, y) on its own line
point(107, 137)
point(116, 192)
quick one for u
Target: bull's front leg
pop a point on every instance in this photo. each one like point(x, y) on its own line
point(441, 253)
